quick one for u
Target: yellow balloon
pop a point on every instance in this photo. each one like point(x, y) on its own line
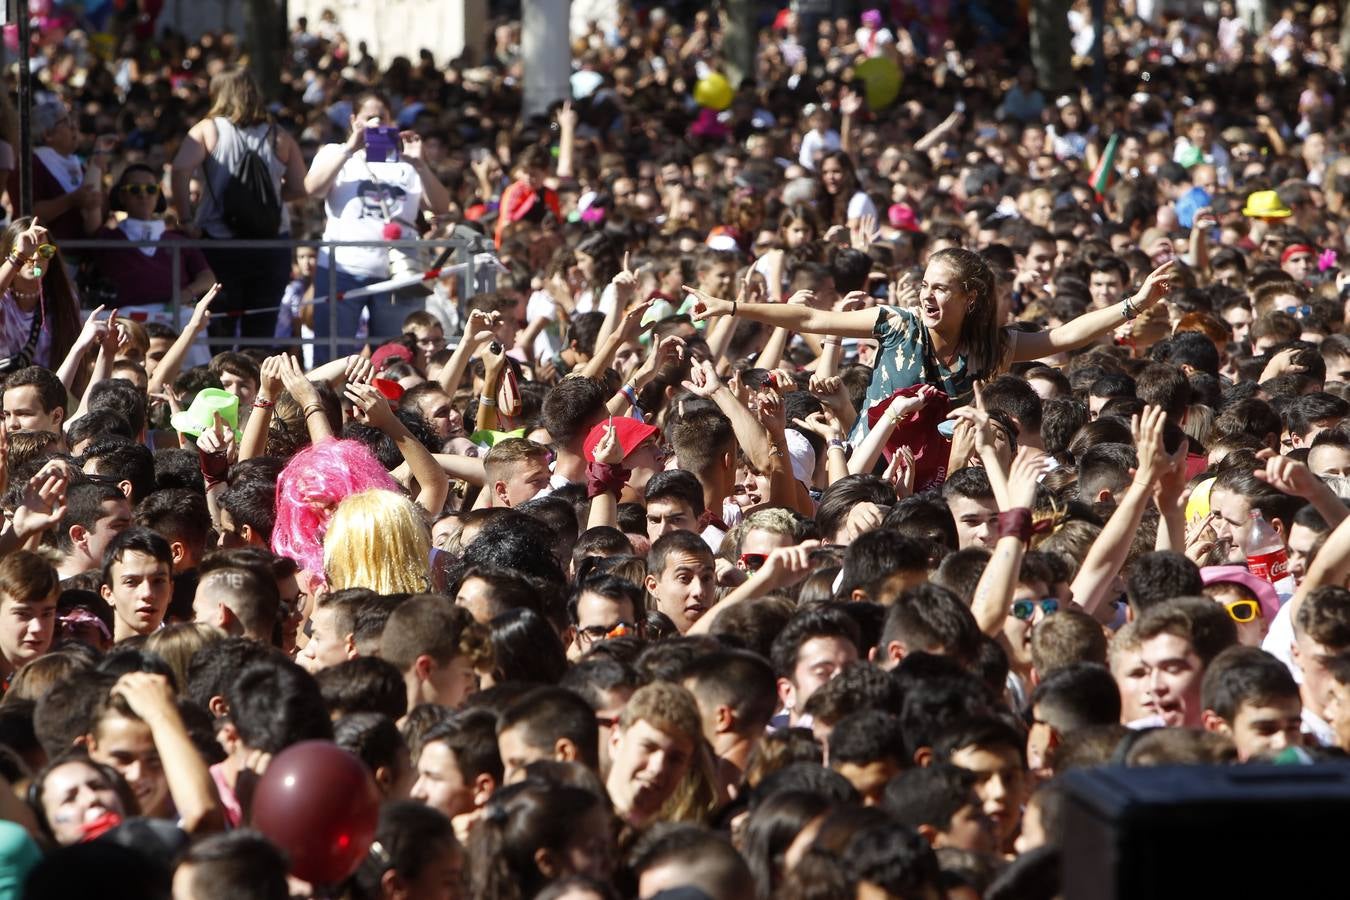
point(882, 78)
point(713, 92)
point(1198, 506)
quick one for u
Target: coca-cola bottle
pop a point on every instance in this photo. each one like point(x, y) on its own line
point(1266, 556)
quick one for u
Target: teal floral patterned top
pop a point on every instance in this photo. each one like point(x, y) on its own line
point(905, 358)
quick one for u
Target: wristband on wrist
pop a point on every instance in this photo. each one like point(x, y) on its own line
point(630, 393)
point(733, 308)
point(1015, 523)
point(214, 466)
point(263, 403)
point(312, 409)
point(489, 402)
point(603, 478)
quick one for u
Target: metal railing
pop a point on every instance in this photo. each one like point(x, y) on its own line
point(466, 262)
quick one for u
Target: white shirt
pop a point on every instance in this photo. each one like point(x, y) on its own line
point(1279, 641)
point(814, 142)
point(1315, 727)
point(860, 205)
point(548, 341)
point(362, 199)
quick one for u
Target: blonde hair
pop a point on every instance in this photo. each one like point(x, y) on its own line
point(696, 797)
point(379, 540)
point(666, 707)
point(136, 334)
point(176, 644)
point(235, 96)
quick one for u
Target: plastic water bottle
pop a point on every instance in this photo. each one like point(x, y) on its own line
point(1266, 556)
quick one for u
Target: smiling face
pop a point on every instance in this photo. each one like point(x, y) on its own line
point(440, 412)
point(646, 765)
point(127, 745)
point(1105, 288)
point(943, 300)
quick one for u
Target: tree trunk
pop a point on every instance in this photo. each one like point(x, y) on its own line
point(265, 33)
point(1050, 48)
point(738, 40)
point(547, 51)
point(1345, 31)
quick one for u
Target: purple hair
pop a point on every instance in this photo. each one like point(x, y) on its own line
point(311, 486)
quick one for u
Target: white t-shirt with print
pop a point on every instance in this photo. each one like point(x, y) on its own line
point(362, 199)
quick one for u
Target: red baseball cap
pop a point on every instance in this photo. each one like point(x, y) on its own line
point(629, 431)
point(391, 351)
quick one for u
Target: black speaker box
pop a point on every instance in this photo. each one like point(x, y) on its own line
point(1156, 833)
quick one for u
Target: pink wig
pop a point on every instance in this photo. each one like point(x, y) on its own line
point(311, 486)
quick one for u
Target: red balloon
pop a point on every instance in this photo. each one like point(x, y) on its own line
point(317, 802)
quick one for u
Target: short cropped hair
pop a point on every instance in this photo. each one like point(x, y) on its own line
point(1076, 696)
point(675, 542)
point(1068, 637)
point(51, 392)
point(431, 625)
point(1248, 675)
point(545, 714)
point(1199, 620)
point(738, 679)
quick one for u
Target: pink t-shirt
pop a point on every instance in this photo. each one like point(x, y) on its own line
point(234, 813)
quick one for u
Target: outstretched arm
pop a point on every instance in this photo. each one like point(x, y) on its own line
point(168, 367)
point(1087, 327)
point(1107, 554)
point(432, 481)
point(994, 592)
point(856, 323)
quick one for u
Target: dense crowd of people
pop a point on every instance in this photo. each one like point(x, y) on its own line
point(843, 457)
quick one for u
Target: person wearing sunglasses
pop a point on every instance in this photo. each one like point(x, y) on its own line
point(603, 607)
point(1251, 602)
point(763, 532)
point(141, 279)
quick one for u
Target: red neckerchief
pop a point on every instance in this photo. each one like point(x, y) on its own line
point(711, 518)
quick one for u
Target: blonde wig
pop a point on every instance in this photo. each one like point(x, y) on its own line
point(379, 540)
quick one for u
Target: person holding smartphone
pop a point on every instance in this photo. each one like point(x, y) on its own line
point(374, 186)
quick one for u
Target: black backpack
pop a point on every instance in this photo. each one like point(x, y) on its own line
point(249, 205)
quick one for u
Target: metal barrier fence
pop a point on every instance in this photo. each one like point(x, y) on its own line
point(469, 261)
